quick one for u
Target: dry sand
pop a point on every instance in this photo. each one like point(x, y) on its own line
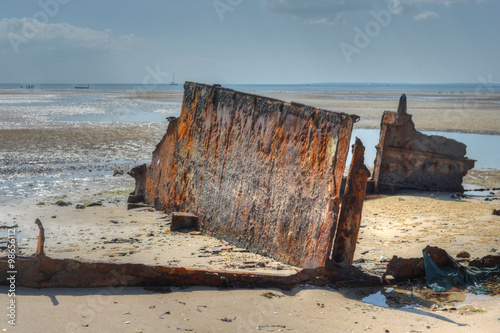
point(401, 224)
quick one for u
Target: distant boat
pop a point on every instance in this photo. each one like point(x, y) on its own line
point(83, 87)
point(173, 80)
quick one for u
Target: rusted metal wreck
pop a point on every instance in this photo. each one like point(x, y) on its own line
point(258, 172)
point(265, 175)
point(408, 159)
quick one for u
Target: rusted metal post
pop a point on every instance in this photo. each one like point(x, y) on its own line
point(352, 207)
point(402, 104)
point(41, 238)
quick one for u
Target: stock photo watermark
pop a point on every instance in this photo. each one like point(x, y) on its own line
point(11, 275)
point(48, 9)
point(363, 37)
point(156, 77)
point(223, 6)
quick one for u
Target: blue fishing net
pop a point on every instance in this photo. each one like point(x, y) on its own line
point(444, 278)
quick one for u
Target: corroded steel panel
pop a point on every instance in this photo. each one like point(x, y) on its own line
point(352, 207)
point(261, 173)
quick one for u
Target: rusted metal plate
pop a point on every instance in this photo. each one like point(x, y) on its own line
point(261, 173)
point(40, 271)
point(352, 207)
point(183, 220)
point(407, 158)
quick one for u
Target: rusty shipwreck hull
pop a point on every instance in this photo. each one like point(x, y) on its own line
point(40, 271)
point(408, 159)
point(258, 172)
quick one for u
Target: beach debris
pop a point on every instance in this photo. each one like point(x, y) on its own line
point(225, 319)
point(41, 238)
point(115, 221)
point(496, 212)
point(40, 271)
point(271, 295)
point(62, 203)
point(79, 206)
point(463, 255)
point(94, 204)
point(9, 226)
point(456, 275)
point(259, 328)
point(219, 160)
point(402, 269)
point(163, 314)
point(486, 261)
point(118, 172)
point(183, 221)
point(408, 159)
point(129, 240)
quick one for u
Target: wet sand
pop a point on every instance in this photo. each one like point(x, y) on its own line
point(401, 224)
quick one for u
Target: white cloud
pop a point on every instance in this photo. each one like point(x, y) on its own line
point(331, 11)
point(22, 31)
point(426, 16)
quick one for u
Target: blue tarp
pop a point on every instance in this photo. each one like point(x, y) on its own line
point(444, 278)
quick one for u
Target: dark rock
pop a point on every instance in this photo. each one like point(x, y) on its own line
point(80, 206)
point(463, 254)
point(62, 203)
point(93, 204)
point(487, 261)
point(183, 220)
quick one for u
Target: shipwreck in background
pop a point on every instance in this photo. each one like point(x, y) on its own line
point(408, 159)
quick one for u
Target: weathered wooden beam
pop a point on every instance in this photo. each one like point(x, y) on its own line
point(352, 207)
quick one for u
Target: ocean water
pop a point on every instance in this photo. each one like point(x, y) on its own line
point(55, 144)
point(478, 146)
point(97, 133)
point(397, 88)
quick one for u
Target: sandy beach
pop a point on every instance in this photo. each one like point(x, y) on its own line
point(393, 224)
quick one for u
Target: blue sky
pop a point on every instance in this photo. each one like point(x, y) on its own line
point(249, 41)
